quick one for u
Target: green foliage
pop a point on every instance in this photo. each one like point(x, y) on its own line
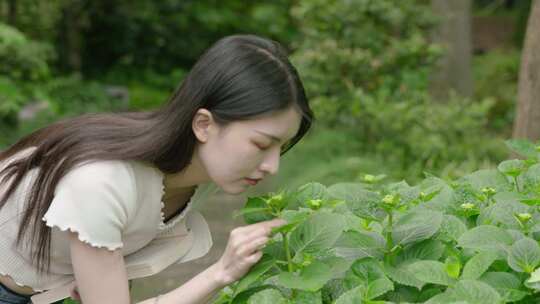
point(496, 77)
point(366, 65)
point(22, 58)
point(23, 64)
point(352, 49)
point(158, 35)
point(72, 95)
point(65, 96)
point(379, 242)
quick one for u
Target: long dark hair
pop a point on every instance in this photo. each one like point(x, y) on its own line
point(238, 78)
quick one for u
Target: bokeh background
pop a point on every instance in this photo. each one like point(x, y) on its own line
point(399, 88)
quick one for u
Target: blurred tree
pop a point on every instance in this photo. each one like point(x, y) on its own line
point(527, 122)
point(454, 33)
point(12, 12)
point(69, 38)
point(99, 35)
point(163, 35)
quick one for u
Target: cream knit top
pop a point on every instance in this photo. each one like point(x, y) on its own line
point(112, 204)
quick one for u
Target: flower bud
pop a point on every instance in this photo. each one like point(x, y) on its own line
point(314, 203)
point(389, 199)
point(368, 178)
point(489, 191)
point(467, 206)
point(524, 217)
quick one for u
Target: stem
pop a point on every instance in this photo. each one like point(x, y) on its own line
point(516, 183)
point(389, 241)
point(287, 251)
point(388, 257)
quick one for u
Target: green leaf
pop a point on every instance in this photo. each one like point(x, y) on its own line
point(307, 192)
point(453, 267)
point(476, 292)
point(487, 178)
point(485, 237)
point(512, 167)
point(353, 296)
point(523, 147)
point(402, 275)
point(307, 297)
point(416, 226)
point(451, 228)
point(507, 285)
point(264, 264)
point(267, 296)
point(531, 178)
point(445, 298)
point(378, 288)
point(535, 276)
point(345, 191)
point(406, 192)
point(524, 255)
point(337, 264)
point(431, 272)
point(426, 250)
point(367, 269)
point(293, 218)
point(478, 264)
point(311, 278)
point(365, 204)
point(255, 210)
point(318, 233)
point(503, 212)
point(354, 245)
point(440, 202)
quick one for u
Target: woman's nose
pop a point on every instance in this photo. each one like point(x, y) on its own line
point(271, 162)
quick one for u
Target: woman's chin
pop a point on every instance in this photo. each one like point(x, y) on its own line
point(235, 189)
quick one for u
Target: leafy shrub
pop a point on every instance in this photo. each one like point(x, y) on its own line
point(496, 77)
point(11, 100)
point(71, 95)
point(22, 58)
point(376, 47)
point(366, 66)
point(473, 240)
point(23, 64)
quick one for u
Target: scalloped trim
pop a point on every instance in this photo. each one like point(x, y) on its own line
point(83, 237)
point(173, 221)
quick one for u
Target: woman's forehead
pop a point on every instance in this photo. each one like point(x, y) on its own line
point(282, 125)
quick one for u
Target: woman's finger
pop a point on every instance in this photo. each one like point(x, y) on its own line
point(263, 228)
point(251, 247)
point(254, 258)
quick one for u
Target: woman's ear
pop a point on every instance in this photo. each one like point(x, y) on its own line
point(202, 123)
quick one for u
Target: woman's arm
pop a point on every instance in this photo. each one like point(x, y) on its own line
point(101, 278)
point(101, 274)
point(200, 289)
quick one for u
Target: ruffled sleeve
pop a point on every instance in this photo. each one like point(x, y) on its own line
point(96, 200)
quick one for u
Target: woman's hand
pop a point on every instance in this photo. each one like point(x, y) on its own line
point(243, 250)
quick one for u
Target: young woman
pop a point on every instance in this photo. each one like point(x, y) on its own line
point(88, 193)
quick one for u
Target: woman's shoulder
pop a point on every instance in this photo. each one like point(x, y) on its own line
point(127, 173)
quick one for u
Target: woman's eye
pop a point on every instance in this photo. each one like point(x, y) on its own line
point(261, 147)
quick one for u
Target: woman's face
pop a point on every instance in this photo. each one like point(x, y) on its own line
point(244, 149)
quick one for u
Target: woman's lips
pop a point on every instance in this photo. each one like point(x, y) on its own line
point(252, 182)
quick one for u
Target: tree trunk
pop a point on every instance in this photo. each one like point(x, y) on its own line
point(12, 12)
point(527, 121)
point(454, 34)
point(70, 35)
